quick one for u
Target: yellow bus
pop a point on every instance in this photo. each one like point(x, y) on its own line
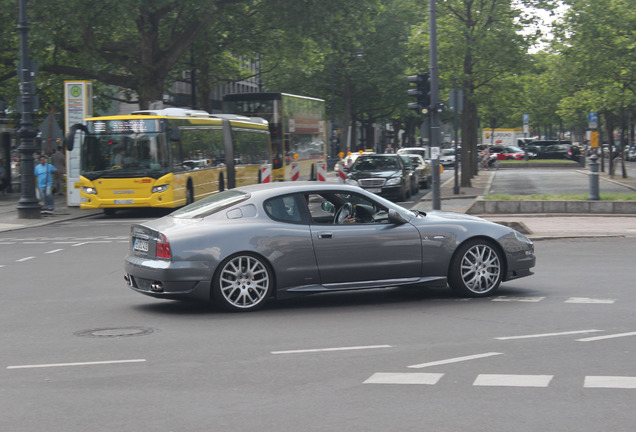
point(297, 127)
point(166, 158)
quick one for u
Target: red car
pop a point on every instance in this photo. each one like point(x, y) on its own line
point(507, 152)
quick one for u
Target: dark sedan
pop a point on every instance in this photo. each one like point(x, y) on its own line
point(242, 247)
point(558, 151)
point(383, 174)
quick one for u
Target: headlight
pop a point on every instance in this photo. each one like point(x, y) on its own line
point(162, 188)
point(351, 181)
point(522, 238)
point(393, 181)
point(89, 190)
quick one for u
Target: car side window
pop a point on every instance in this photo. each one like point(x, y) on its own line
point(284, 209)
point(323, 209)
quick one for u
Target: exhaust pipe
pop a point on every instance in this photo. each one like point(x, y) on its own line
point(156, 286)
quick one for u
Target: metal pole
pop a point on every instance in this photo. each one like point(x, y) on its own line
point(435, 117)
point(28, 205)
point(594, 191)
point(455, 128)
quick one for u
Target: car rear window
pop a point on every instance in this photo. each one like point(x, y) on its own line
point(211, 204)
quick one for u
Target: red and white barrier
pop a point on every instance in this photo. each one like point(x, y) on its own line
point(295, 171)
point(266, 174)
point(321, 169)
point(342, 175)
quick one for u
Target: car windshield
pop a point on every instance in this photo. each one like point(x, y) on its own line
point(375, 163)
point(211, 204)
point(513, 149)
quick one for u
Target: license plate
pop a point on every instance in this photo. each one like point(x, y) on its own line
point(125, 201)
point(375, 190)
point(141, 245)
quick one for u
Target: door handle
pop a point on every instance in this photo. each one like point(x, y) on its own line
point(325, 235)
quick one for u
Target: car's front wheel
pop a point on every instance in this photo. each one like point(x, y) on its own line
point(476, 269)
point(242, 283)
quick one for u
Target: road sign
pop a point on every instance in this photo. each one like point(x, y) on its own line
point(592, 120)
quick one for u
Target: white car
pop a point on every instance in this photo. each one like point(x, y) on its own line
point(447, 157)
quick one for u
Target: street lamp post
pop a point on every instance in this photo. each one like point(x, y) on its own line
point(28, 205)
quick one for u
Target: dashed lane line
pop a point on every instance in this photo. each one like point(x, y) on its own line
point(547, 334)
point(404, 378)
point(314, 350)
point(502, 380)
point(34, 366)
point(614, 382)
point(455, 360)
point(611, 336)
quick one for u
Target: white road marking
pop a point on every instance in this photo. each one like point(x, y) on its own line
point(331, 349)
point(518, 299)
point(547, 334)
point(90, 242)
point(610, 382)
point(612, 336)
point(585, 300)
point(76, 364)
point(34, 242)
point(25, 259)
point(53, 251)
point(496, 380)
point(404, 378)
point(455, 360)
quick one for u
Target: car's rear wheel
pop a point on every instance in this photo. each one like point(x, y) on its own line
point(476, 269)
point(242, 283)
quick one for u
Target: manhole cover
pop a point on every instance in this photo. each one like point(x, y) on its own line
point(115, 332)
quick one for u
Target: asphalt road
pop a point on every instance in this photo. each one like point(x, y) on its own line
point(82, 352)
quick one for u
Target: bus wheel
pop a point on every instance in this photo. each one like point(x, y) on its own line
point(221, 183)
point(109, 211)
point(189, 194)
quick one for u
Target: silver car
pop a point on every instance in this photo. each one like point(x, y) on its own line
point(242, 247)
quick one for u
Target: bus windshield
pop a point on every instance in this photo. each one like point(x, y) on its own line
point(117, 149)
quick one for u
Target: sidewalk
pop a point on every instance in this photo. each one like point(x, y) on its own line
point(10, 221)
point(537, 226)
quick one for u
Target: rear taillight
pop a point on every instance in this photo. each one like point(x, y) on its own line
point(163, 247)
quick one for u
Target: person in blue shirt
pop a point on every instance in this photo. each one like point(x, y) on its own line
point(44, 173)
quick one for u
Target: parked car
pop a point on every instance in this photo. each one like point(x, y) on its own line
point(558, 151)
point(630, 154)
point(447, 157)
point(243, 247)
point(382, 174)
point(422, 151)
point(537, 146)
point(414, 174)
point(423, 168)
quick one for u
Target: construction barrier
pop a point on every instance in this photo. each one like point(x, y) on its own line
point(295, 171)
point(266, 174)
point(322, 171)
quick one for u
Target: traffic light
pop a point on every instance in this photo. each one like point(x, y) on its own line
point(422, 92)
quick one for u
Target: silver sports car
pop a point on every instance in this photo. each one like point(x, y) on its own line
point(242, 247)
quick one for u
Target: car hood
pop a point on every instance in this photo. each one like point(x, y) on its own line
point(368, 174)
point(445, 215)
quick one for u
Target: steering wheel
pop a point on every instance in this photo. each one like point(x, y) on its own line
point(343, 212)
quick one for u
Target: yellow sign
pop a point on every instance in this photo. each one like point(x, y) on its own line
point(594, 139)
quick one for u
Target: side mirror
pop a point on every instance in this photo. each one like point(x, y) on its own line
point(396, 218)
point(69, 139)
point(327, 206)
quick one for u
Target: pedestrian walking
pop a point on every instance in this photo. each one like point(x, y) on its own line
point(59, 162)
point(44, 173)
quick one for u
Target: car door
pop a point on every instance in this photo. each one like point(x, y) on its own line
point(364, 252)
